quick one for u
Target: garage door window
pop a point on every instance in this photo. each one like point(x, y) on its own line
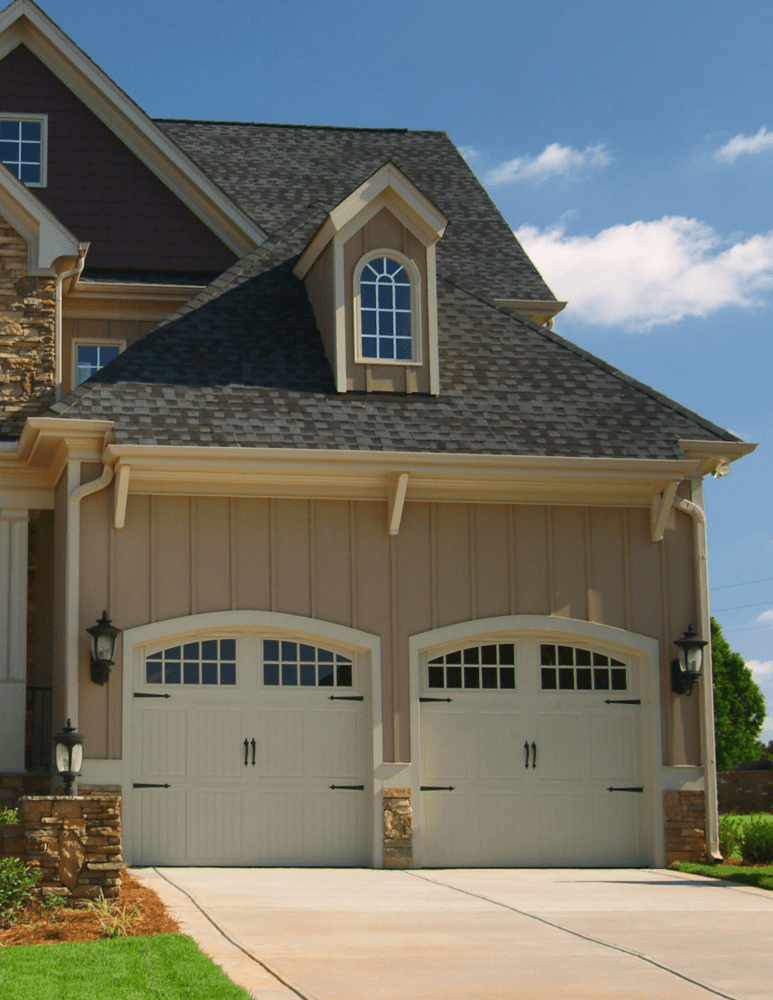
point(570, 668)
point(211, 662)
point(474, 667)
point(298, 664)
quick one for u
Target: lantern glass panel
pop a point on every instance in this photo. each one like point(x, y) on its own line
point(103, 647)
point(62, 757)
point(77, 757)
point(694, 658)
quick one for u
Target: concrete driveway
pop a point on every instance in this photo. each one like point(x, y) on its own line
point(335, 934)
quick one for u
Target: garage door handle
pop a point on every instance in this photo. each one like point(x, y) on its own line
point(253, 752)
point(638, 789)
point(526, 748)
point(533, 755)
point(246, 750)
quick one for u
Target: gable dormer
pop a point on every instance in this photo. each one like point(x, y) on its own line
point(371, 278)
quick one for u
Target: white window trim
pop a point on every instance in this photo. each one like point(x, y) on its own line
point(89, 342)
point(416, 326)
point(7, 116)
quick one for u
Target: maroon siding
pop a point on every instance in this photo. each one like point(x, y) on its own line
point(99, 189)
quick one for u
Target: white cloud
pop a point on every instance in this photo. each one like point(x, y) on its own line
point(469, 153)
point(766, 616)
point(740, 144)
point(758, 668)
point(553, 160)
point(648, 274)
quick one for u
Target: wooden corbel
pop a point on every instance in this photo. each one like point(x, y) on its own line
point(121, 494)
point(397, 501)
point(660, 508)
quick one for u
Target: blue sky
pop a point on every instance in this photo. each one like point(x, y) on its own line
point(629, 143)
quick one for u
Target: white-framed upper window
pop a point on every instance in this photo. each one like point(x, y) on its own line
point(23, 146)
point(90, 356)
point(386, 309)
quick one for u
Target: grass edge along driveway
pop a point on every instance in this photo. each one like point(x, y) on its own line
point(168, 966)
point(759, 878)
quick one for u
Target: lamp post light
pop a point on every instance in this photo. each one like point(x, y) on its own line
point(68, 753)
point(103, 636)
point(688, 668)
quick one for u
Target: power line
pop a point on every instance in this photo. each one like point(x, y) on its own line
point(742, 607)
point(751, 628)
point(747, 583)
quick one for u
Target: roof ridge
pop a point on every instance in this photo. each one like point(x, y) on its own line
point(299, 125)
point(592, 358)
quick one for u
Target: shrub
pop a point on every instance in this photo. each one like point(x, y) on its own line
point(756, 840)
point(9, 816)
point(730, 832)
point(114, 920)
point(17, 884)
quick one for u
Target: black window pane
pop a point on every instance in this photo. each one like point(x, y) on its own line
point(367, 295)
point(209, 673)
point(566, 678)
point(326, 674)
point(228, 649)
point(436, 677)
point(270, 649)
point(343, 659)
point(548, 678)
point(191, 651)
point(453, 677)
point(324, 656)
point(369, 347)
point(403, 349)
point(344, 675)
point(308, 675)
point(191, 673)
point(565, 656)
point(29, 173)
point(289, 674)
point(9, 130)
point(172, 672)
point(616, 663)
point(488, 654)
point(619, 680)
point(506, 653)
point(391, 266)
point(155, 656)
point(438, 659)
point(584, 679)
point(30, 131)
point(599, 660)
point(455, 657)
point(227, 673)
point(472, 655)
point(548, 656)
point(308, 654)
point(601, 679)
point(403, 297)
point(507, 677)
point(172, 654)
point(289, 650)
point(153, 672)
point(582, 657)
point(471, 677)
point(209, 649)
point(271, 673)
point(489, 678)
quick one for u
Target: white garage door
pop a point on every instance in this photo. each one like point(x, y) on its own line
point(250, 750)
point(530, 756)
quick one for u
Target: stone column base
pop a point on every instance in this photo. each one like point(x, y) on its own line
point(398, 828)
point(684, 816)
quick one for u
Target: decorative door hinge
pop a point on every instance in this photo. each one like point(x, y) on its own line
point(140, 784)
point(636, 789)
point(436, 699)
point(346, 697)
point(623, 701)
point(436, 788)
point(143, 694)
point(351, 788)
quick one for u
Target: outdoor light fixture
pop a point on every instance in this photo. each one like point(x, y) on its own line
point(68, 752)
point(103, 636)
point(687, 669)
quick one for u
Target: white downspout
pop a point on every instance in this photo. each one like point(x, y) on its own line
point(706, 685)
point(58, 282)
point(72, 589)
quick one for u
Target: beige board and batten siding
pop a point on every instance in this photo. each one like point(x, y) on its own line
point(384, 232)
point(333, 560)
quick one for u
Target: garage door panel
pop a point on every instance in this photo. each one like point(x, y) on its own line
point(613, 751)
point(280, 742)
point(277, 832)
point(217, 740)
point(160, 825)
point(335, 828)
point(564, 825)
point(508, 829)
point(617, 825)
point(501, 755)
point(562, 746)
point(449, 829)
point(333, 743)
point(217, 823)
point(160, 749)
point(445, 746)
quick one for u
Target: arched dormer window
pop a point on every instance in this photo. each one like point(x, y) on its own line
point(388, 323)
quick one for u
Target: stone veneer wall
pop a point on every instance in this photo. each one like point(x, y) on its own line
point(27, 345)
point(13, 786)
point(745, 791)
point(685, 826)
point(74, 841)
point(398, 828)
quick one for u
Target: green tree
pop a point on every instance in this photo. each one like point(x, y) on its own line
point(739, 707)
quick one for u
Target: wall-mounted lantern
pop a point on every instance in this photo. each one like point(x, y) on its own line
point(103, 636)
point(687, 669)
point(68, 753)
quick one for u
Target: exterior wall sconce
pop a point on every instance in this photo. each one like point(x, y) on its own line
point(688, 668)
point(103, 636)
point(68, 754)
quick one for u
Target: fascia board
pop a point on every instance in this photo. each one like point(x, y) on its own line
point(27, 24)
point(47, 238)
point(710, 454)
point(133, 290)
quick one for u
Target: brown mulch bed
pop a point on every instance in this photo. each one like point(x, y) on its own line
point(32, 926)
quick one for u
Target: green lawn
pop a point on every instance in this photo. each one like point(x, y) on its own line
point(761, 878)
point(168, 966)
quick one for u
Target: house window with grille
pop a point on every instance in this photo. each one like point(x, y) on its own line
point(23, 147)
point(387, 326)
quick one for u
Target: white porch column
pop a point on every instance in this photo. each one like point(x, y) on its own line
point(13, 637)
